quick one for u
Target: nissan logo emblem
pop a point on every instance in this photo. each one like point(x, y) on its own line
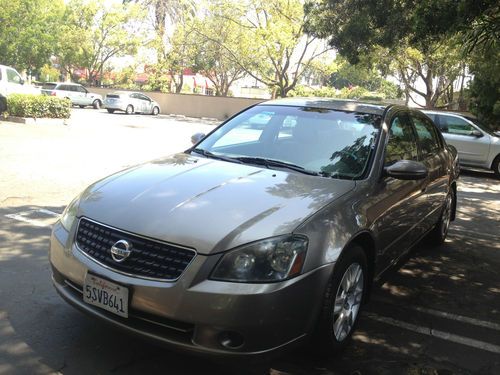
point(120, 251)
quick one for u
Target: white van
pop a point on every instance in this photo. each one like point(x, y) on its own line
point(12, 83)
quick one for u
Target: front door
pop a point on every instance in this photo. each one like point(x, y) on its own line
point(472, 150)
point(401, 200)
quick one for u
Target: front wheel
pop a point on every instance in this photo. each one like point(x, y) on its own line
point(96, 104)
point(129, 110)
point(496, 166)
point(156, 111)
point(342, 302)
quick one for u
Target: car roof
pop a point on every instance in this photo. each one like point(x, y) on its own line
point(63, 83)
point(331, 103)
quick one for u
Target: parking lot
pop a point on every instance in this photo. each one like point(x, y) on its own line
point(437, 313)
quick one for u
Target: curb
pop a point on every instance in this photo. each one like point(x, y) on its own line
point(35, 121)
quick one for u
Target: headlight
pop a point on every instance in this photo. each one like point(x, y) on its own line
point(69, 214)
point(268, 260)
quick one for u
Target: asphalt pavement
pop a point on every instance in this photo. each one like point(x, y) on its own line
point(437, 312)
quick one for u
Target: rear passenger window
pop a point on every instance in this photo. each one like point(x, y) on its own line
point(427, 137)
point(402, 144)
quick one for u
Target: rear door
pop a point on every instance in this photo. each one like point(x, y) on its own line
point(147, 104)
point(432, 155)
point(472, 150)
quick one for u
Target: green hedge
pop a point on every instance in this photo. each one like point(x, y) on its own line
point(38, 106)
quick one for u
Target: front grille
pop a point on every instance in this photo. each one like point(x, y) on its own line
point(149, 259)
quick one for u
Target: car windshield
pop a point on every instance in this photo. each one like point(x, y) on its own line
point(316, 141)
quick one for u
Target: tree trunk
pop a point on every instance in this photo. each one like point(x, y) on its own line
point(178, 85)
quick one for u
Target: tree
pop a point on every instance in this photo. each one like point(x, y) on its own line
point(356, 27)
point(280, 50)
point(28, 35)
point(428, 33)
point(216, 63)
point(438, 69)
point(97, 31)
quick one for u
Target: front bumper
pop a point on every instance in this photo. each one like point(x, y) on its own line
point(196, 314)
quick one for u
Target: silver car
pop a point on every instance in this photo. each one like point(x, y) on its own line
point(75, 92)
point(477, 145)
point(131, 102)
point(258, 238)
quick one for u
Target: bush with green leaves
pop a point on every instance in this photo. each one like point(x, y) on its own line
point(38, 106)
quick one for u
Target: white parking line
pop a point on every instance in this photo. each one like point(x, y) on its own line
point(436, 333)
point(443, 314)
point(25, 217)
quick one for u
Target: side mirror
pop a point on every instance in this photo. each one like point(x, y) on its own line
point(476, 133)
point(197, 137)
point(407, 170)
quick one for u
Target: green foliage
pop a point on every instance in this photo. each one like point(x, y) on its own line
point(355, 27)
point(29, 30)
point(222, 66)
point(97, 30)
point(49, 74)
point(485, 87)
point(38, 106)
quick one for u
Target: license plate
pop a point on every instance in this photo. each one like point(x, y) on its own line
point(106, 295)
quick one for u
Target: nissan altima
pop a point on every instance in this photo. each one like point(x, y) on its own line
point(259, 238)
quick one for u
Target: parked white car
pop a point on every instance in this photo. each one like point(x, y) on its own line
point(477, 146)
point(131, 102)
point(75, 92)
point(11, 82)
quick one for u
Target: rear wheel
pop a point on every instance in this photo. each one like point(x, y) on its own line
point(496, 166)
point(129, 110)
point(96, 104)
point(438, 234)
point(342, 302)
point(110, 110)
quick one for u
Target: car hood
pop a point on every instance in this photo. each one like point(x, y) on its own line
point(206, 204)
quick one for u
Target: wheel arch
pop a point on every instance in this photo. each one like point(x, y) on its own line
point(366, 241)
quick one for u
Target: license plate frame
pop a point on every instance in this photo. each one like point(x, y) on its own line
point(106, 295)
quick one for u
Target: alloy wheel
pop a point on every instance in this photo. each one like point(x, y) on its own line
point(348, 301)
point(446, 216)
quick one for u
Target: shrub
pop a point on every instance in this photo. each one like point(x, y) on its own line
point(38, 106)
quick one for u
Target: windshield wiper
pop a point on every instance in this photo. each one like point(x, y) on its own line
point(211, 155)
point(276, 163)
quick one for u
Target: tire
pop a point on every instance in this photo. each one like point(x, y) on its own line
point(129, 110)
point(110, 110)
point(438, 234)
point(156, 111)
point(496, 166)
point(81, 106)
point(96, 104)
point(338, 320)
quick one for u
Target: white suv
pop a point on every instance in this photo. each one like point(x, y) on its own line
point(12, 83)
point(75, 92)
point(477, 146)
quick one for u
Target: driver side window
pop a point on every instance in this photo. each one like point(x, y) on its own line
point(402, 144)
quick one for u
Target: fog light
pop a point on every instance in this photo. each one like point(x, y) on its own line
point(231, 340)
